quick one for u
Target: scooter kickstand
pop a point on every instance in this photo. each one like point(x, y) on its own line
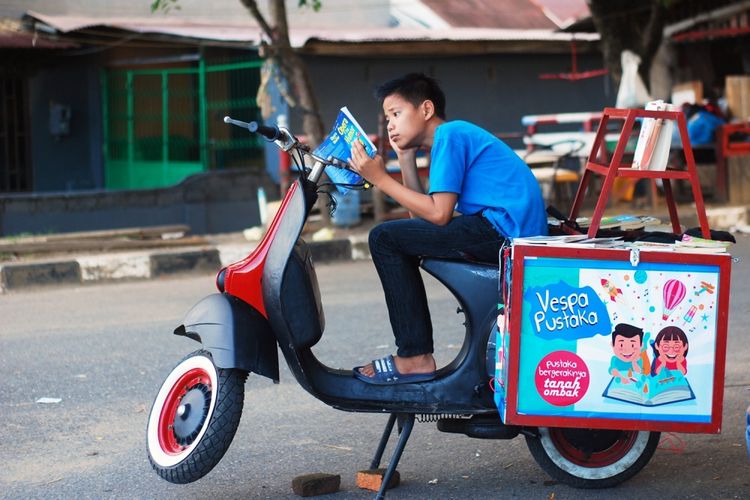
point(405, 425)
point(383, 442)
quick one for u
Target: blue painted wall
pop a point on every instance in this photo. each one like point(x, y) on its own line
point(493, 91)
point(71, 162)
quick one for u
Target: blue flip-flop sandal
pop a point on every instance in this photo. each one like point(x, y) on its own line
point(387, 374)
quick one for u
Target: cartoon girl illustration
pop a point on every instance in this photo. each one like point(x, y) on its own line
point(670, 349)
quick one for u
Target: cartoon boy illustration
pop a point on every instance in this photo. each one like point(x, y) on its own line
point(627, 345)
point(670, 348)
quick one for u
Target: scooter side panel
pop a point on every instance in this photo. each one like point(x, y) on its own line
point(461, 387)
point(236, 335)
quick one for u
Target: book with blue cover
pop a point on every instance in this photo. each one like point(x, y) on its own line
point(338, 145)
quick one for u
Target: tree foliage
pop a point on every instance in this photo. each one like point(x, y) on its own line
point(165, 5)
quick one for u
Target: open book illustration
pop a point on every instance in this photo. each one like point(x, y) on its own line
point(651, 391)
point(338, 145)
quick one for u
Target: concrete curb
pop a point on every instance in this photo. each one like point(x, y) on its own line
point(40, 274)
point(139, 265)
point(129, 266)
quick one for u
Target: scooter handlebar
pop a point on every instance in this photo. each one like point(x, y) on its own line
point(272, 133)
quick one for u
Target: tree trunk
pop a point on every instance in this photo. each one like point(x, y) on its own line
point(295, 72)
point(636, 25)
point(291, 64)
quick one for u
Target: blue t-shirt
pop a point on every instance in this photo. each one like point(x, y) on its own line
point(488, 177)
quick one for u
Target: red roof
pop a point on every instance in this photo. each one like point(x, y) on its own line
point(517, 14)
point(514, 14)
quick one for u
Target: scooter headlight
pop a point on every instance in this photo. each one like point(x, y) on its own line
point(220, 279)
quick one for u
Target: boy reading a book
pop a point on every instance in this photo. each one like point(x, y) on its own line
point(472, 172)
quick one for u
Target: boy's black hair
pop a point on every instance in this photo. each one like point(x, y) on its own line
point(627, 331)
point(415, 88)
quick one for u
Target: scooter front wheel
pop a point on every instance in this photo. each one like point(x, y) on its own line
point(592, 458)
point(194, 418)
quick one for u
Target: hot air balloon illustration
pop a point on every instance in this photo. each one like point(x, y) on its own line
point(674, 292)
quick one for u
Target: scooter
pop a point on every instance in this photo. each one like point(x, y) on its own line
point(270, 300)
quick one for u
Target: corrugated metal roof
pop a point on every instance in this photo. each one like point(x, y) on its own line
point(13, 36)
point(247, 31)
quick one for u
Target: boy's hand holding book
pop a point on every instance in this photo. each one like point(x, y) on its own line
point(336, 149)
point(372, 169)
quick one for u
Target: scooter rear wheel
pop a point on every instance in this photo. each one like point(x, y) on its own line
point(194, 418)
point(592, 458)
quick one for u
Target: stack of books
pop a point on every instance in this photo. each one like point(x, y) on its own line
point(625, 222)
point(688, 244)
point(693, 244)
point(570, 241)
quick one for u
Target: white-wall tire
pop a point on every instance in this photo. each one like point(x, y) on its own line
point(194, 418)
point(591, 458)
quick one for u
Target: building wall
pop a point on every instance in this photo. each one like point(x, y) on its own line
point(68, 162)
point(214, 202)
point(494, 91)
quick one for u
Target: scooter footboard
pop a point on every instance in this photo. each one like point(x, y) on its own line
point(236, 335)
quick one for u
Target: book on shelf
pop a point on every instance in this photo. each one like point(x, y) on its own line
point(338, 145)
point(651, 391)
point(654, 139)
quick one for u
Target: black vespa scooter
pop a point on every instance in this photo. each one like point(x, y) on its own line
point(270, 300)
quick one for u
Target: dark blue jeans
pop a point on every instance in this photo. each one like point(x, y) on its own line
point(397, 248)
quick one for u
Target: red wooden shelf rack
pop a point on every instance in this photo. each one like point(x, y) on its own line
point(616, 168)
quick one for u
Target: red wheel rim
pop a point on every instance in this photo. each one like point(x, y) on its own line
point(592, 448)
point(187, 381)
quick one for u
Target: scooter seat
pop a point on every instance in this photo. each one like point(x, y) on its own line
point(438, 266)
point(473, 283)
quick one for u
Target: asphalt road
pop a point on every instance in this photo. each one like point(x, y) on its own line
point(105, 349)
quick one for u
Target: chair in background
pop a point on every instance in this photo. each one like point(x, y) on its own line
point(561, 174)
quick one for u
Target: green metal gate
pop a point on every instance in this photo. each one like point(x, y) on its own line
point(162, 125)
